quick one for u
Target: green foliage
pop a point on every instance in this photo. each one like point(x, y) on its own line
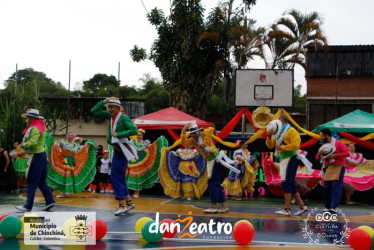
point(154, 94)
point(6, 124)
point(44, 85)
point(128, 92)
point(156, 17)
point(190, 69)
point(15, 100)
point(101, 85)
point(53, 122)
point(138, 54)
point(299, 101)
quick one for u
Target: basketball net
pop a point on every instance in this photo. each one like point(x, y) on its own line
point(262, 102)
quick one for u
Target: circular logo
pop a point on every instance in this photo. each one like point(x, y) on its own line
point(326, 227)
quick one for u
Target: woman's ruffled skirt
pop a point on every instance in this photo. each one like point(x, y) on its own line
point(20, 166)
point(71, 174)
point(183, 178)
point(360, 177)
point(143, 173)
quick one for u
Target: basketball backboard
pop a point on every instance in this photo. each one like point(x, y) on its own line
point(264, 87)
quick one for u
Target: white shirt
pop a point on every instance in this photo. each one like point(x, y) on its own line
point(104, 168)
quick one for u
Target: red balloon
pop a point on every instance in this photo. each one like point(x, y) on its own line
point(3, 216)
point(99, 230)
point(168, 234)
point(359, 239)
point(243, 233)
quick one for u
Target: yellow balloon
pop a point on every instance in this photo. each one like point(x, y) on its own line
point(69, 226)
point(243, 221)
point(140, 223)
point(367, 229)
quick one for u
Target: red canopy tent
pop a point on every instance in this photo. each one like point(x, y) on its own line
point(169, 118)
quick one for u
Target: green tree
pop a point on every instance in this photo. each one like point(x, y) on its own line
point(128, 92)
point(189, 72)
point(237, 38)
point(101, 85)
point(44, 85)
point(299, 100)
point(154, 94)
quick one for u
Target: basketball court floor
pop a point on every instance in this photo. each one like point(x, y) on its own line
point(271, 231)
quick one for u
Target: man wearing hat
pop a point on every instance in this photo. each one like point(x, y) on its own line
point(333, 154)
point(36, 173)
point(120, 127)
point(217, 163)
point(287, 143)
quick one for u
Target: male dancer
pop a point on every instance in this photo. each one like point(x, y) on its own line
point(120, 127)
point(334, 168)
point(36, 173)
point(287, 145)
point(217, 163)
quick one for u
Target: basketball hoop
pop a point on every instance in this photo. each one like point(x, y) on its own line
point(262, 101)
point(263, 87)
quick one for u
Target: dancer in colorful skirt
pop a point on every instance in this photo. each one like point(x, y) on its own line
point(306, 180)
point(359, 173)
point(236, 184)
point(287, 142)
point(72, 166)
point(218, 162)
point(183, 173)
point(120, 127)
point(142, 173)
point(36, 174)
point(20, 158)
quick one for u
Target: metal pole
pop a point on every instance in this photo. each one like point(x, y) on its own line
point(15, 104)
point(119, 77)
point(336, 91)
point(336, 85)
point(243, 125)
point(119, 71)
point(68, 103)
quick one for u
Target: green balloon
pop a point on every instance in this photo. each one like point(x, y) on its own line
point(372, 244)
point(10, 226)
point(147, 235)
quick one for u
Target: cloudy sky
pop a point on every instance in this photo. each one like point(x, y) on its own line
point(96, 35)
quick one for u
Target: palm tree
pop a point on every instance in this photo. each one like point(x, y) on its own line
point(235, 36)
point(277, 48)
point(290, 36)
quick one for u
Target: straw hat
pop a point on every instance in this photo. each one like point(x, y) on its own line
point(327, 149)
point(261, 117)
point(193, 127)
point(114, 102)
point(275, 126)
point(32, 113)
